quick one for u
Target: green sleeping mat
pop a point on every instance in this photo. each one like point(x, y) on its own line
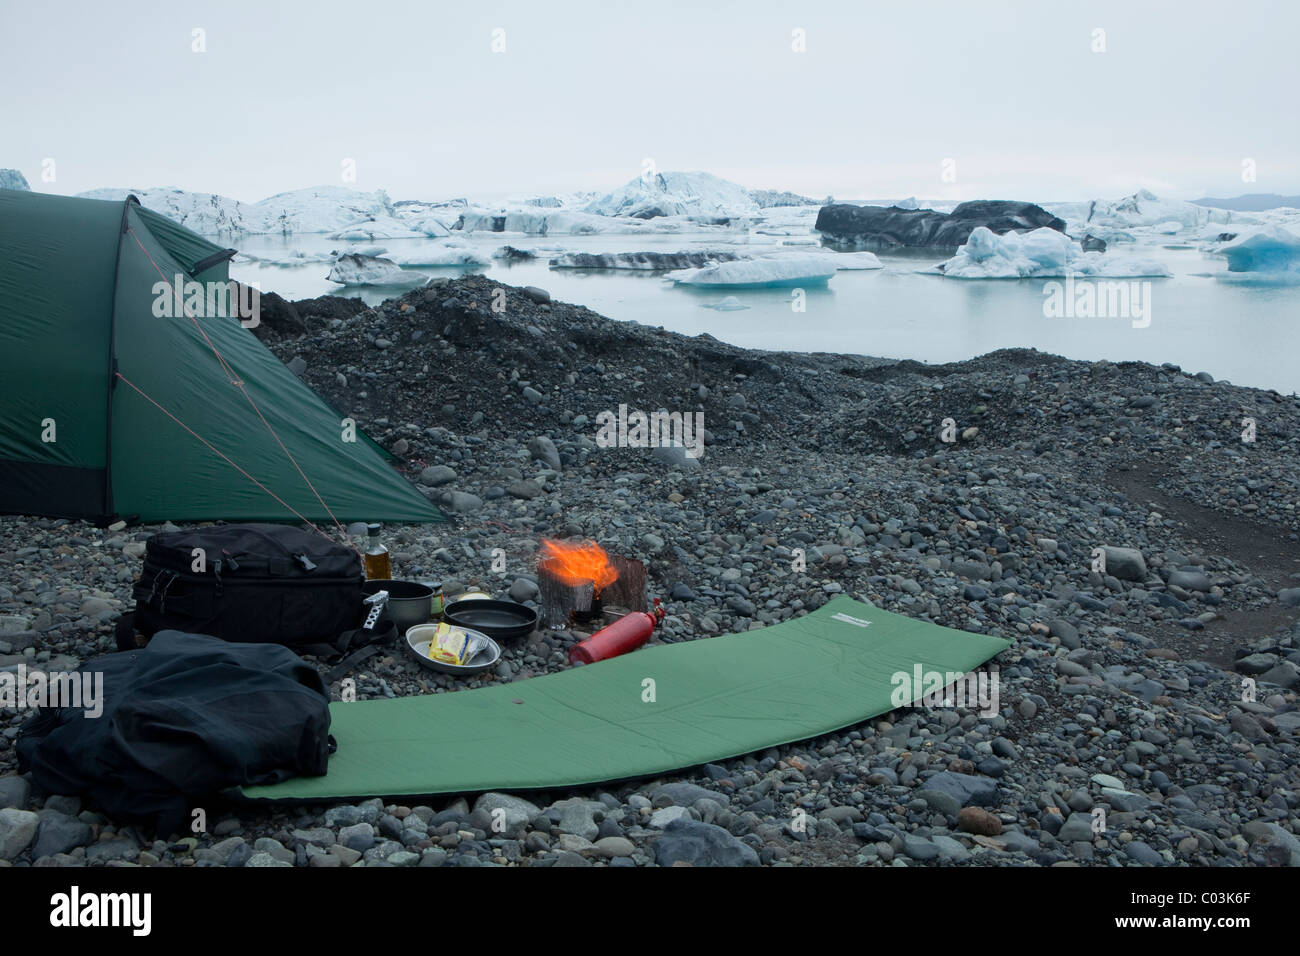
point(654, 710)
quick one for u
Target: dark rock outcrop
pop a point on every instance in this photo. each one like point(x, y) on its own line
point(1091, 243)
point(886, 229)
point(280, 318)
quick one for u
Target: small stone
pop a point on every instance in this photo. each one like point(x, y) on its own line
point(359, 836)
point(614, 846)
point(661, 818)
point(543, 449)
point(17, 830)
point(437, 475)
point(978, 820)
point(1127, 564)
point(14, 792)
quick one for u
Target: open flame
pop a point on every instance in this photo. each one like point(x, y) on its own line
point(578, 563)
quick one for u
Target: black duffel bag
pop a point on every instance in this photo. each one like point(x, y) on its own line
point(250, 583)
point(184, 718)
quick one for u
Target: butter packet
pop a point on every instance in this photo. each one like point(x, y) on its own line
point(454, 645)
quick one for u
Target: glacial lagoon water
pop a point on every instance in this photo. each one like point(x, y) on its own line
point(1201, 318)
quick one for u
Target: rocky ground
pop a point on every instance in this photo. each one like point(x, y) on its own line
point(1123, 690)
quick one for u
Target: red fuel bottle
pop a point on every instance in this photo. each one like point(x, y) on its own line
point(626, 634)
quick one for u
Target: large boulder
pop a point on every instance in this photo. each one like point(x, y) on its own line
point(886, 229)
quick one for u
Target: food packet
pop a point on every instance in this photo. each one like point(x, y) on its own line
point(454, 645)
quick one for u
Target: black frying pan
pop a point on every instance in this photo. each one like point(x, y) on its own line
point(501, 620)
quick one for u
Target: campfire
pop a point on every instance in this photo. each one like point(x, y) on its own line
point(579, 580)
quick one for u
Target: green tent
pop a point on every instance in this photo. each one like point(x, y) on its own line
point(118, 401)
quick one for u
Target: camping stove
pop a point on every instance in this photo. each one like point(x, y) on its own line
point(577, 581)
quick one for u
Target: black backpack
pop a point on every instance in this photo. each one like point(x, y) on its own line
point(251, 583)
point(184, 718)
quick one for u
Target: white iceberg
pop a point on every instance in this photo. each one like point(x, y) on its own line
point(353, 269)
point(1143, 213)
point(13, 179)
point(205, 213)
point(852, 260)
point(318, 209)
point(773, 272)
point(1039, 253)
point(677, 194)
point(727, 304)
point(452, 252)
point(295, 257)
point(375, 228)
point(551, 222)
point(1269, 249)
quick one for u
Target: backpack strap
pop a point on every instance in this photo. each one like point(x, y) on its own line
point(357, 645)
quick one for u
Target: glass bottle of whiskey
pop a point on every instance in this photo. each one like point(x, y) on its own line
point(377, 564)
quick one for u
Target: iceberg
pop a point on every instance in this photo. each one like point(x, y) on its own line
point(853, 260)
point(1041, 253)
point(1269, 249)
point(765, 272)
point(777, 198)
point(319, 209)
point(453, 252)
point(676, 194)
point(13, 179)
point(549, 222)
point(513, 254)
point(205, 213)
point(295, 257)
point(728, 304)
point(1124, 220)
point(876, 229)
point(353, 269)
point(641, 261)
point(375, 228)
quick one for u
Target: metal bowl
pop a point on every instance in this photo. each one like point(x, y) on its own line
point(417, 643)
point(409, 603)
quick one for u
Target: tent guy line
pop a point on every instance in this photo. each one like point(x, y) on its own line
point(236, 381)
point(229, 461)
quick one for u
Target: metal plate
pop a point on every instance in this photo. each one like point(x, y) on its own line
point(417, 644)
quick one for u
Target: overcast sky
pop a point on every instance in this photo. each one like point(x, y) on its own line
point(415, 95)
